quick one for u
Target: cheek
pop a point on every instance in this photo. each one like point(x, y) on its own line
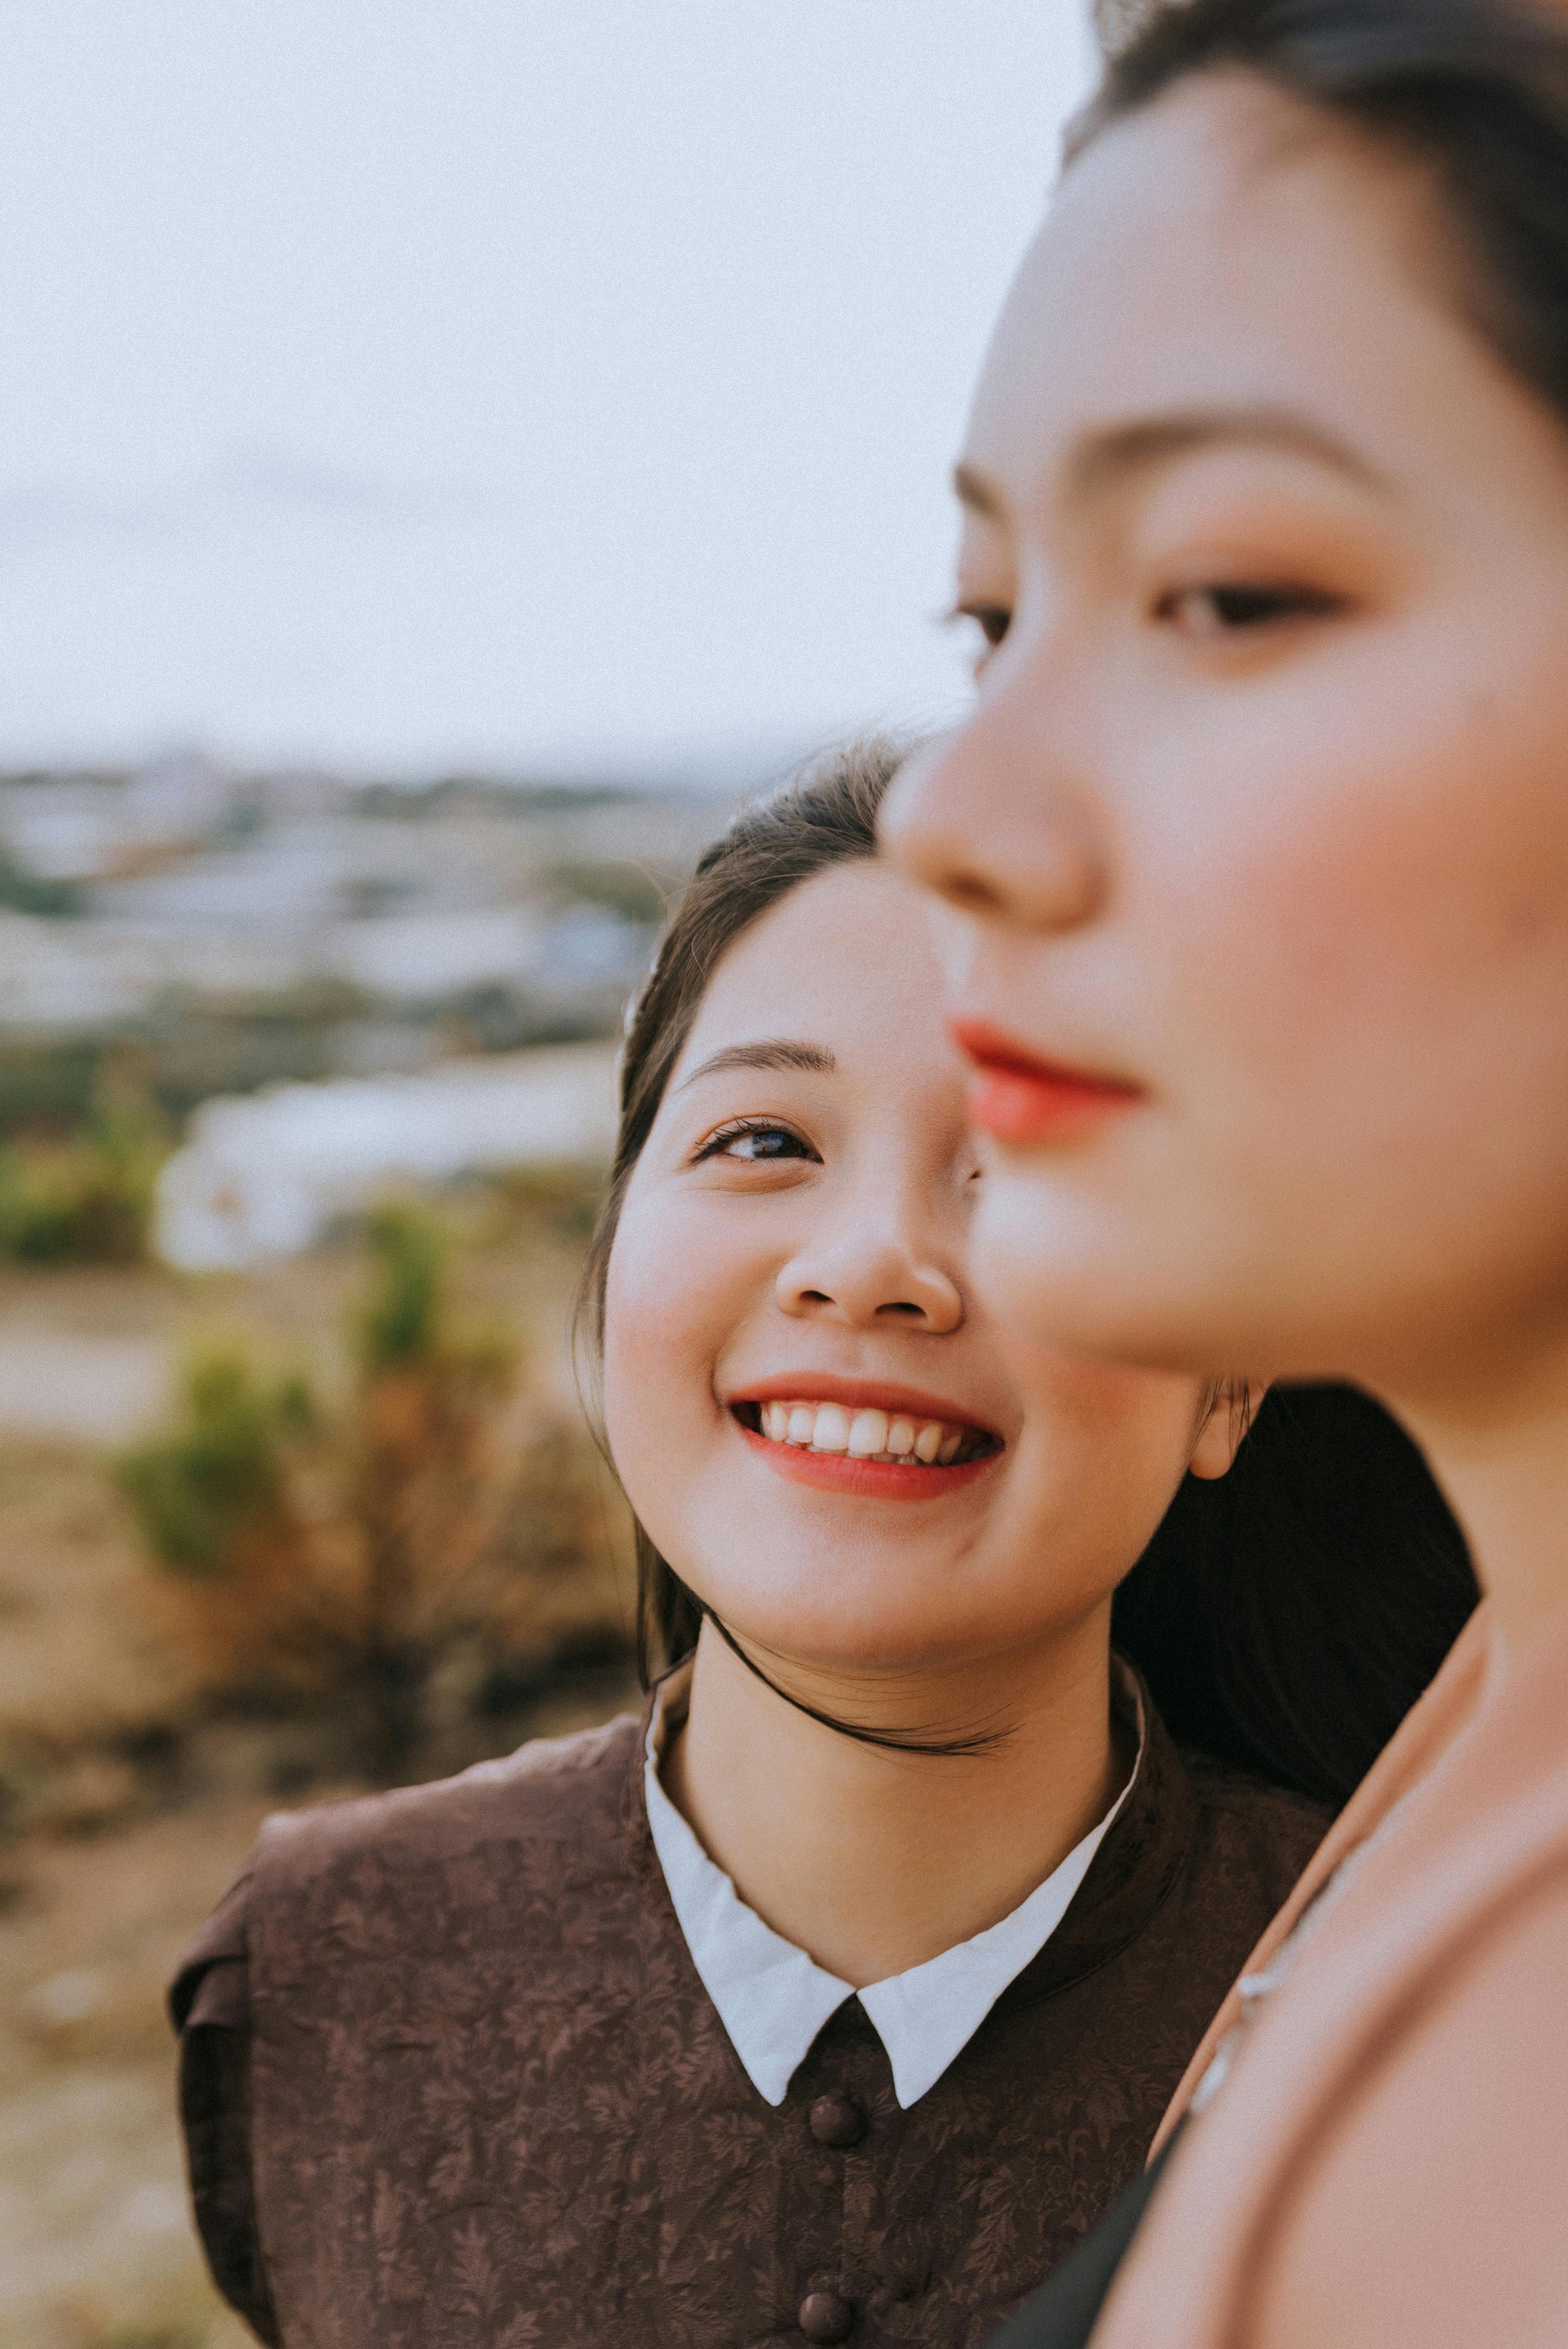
point(1380, 918)
point(663, 1332)
point(1108, 1446)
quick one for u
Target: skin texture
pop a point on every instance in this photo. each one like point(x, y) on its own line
point(1302, 882)
point(986, 1606)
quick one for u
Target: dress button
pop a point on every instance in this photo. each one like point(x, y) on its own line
point(837, 2119)
point(824, 2316)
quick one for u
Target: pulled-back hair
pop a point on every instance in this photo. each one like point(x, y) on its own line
point(1286, 1616)
point(826, 815)
point(1477, 90)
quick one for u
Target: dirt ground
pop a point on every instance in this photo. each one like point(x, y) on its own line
point(116, 1836)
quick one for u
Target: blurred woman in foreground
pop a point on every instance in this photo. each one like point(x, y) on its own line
point(1258, 833)
point(837, 1996)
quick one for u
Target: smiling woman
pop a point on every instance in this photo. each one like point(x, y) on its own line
point(839, 1994)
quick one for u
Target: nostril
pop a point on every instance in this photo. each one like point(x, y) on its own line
point(917, 1310)
point(815, 1297)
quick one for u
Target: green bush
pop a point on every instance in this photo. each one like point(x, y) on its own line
point(341, 1551)
point(223, 1471)
point(399, 1324)
point(85, 1200)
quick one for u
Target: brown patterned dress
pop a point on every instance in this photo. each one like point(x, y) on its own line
point(449, 2079)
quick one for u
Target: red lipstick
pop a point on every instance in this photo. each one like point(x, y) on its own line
point(1020, 1097)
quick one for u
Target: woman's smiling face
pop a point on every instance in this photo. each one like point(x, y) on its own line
point(812, 1417)
point(1259, 830)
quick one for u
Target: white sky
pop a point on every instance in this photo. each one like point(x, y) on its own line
point(497, 382)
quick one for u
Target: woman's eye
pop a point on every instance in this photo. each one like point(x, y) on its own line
point(992, 620)
point(1226, 609)
point(754, 1143)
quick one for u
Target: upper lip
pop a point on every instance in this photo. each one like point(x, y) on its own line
point(857, 1394)
point(990, 1047)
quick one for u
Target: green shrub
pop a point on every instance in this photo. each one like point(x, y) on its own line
point(222, 1473)
point(343, 1551)
point(87, 1199)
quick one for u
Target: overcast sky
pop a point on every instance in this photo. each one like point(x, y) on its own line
point(414, 384)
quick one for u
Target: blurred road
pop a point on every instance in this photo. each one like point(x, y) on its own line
point(91, 1387)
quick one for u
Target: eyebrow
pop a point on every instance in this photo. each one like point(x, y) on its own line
point(775, 1053)
point(1102, 459)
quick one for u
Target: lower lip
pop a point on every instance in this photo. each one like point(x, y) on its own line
point(870, 1480)
point(1022, 1101)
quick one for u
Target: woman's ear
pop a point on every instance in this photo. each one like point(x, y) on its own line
point(1230, 1414)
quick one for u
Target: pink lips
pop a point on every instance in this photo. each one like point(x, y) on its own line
point(874, 1480)
point(837, 1472)
point(1020, 1097)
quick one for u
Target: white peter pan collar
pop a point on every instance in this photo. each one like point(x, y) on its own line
point(773, 2000)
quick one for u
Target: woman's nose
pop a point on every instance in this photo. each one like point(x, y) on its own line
point(981, 817)
point(865, 1279)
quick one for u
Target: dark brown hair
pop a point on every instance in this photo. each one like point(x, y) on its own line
point(1286, 1616)
point(1475, 89)
point(826, 815)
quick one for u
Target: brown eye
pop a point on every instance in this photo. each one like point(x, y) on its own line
point(992, 620)
point(756, 1141)
point(1227, 609)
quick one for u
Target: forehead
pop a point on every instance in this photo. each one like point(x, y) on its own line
point(1227, 245)
point(847, 959)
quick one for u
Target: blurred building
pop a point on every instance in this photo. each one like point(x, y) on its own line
point(266, 1176)
point(224, 931)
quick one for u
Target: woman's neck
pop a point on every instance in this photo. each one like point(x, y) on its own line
point(873, 1862)
point(1500, 1450)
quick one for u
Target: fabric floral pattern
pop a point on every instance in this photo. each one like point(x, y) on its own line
point(450, 2081)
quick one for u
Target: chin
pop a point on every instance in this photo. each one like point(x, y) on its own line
point(818, 1633)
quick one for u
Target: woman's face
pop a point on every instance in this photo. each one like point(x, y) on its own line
point(810, 1415)
point(1257, 838)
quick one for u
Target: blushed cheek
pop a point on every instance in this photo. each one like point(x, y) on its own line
point(665, 1317)
point(1368, 932)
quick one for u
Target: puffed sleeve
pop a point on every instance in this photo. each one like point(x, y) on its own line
point(210, 2008)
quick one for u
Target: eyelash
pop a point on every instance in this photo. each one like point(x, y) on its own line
point(1235, 606)
point(992, 620)
point(1235, 610)
point(738, 1128)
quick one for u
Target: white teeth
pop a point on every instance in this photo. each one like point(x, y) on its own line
point(832, 1432)
point(865, 1434)
point(868, 1434)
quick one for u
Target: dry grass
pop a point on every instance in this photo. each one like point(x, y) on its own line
point(128, 1805)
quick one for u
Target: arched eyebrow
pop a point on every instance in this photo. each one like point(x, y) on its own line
point(1103, 458)
point(775, 1053)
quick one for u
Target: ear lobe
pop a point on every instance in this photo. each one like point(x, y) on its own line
point(1220, 1437)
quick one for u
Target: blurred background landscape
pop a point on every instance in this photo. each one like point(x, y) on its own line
point(448, 459)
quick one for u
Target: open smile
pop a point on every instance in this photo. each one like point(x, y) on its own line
point(886, 1444)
